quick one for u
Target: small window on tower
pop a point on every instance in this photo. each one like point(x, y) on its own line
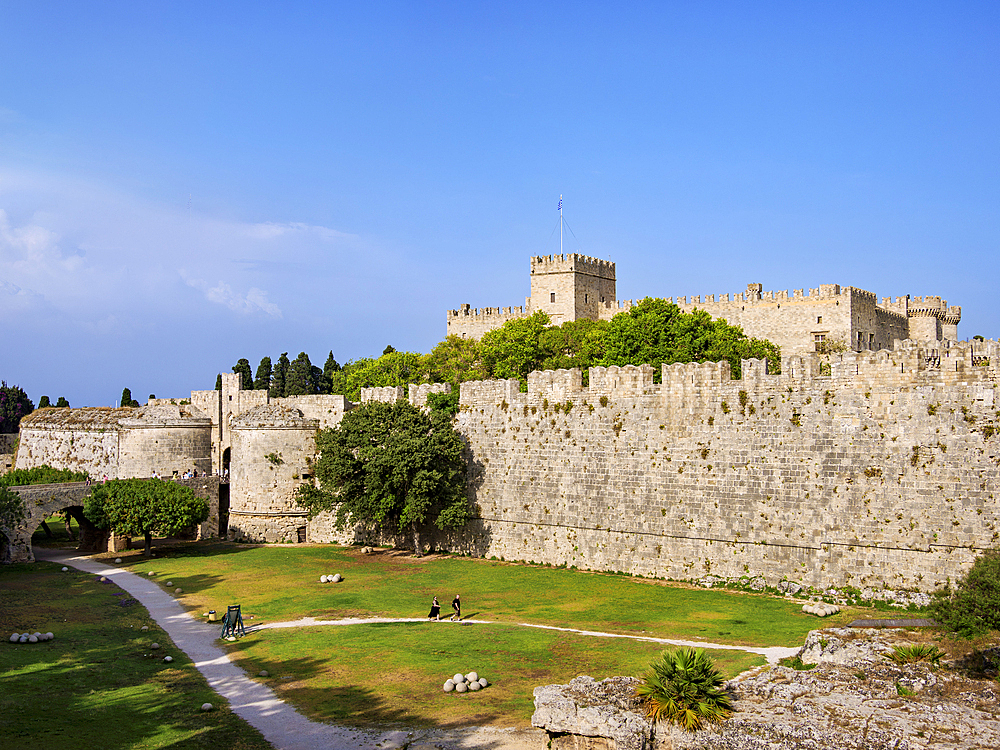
point(552, 296)
point(819, 318)
point(586, 298)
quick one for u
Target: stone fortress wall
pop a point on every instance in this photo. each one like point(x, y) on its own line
point(886, 471)
point(573, 287)
point(871, 468)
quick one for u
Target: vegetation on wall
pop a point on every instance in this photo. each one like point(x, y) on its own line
point(653, 332)
point(43, 474)
point(390, 466)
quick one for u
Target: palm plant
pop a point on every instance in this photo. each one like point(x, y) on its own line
point(685, 688)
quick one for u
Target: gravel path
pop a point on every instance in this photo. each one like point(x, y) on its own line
point(283, 726)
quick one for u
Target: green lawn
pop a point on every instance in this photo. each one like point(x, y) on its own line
point(98, 684)
point(279, 583)
point(98, 667)
point(393, 673)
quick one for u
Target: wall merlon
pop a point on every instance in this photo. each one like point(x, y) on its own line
point(388, 394)
point(418, 393)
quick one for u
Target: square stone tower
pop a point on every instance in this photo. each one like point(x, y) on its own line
point(571, 286)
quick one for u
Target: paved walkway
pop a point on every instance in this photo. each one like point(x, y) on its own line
point(283, 726)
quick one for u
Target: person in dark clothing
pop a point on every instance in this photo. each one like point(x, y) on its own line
point(435, 610)
point(456, 604)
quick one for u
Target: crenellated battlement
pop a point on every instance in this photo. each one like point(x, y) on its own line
point(699, 385)
point(418, 393)
point(542, 264)
point(466, 311)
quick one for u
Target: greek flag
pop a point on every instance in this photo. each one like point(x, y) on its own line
point(559, 207)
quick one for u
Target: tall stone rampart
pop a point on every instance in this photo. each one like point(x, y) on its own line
point(880, 469)
point(78, 439)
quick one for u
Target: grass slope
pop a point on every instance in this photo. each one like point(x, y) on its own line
point(98, 684)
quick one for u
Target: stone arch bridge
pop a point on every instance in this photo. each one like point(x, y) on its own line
point(40, 502)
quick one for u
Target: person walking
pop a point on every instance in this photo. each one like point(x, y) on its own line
point(435, 610)
point(456, 604)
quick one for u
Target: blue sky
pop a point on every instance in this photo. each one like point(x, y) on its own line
point(184, 184)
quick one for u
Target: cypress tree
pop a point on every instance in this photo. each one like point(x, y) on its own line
point(278, 388)
point(127, 399)
point(218, 382)
point(262, 381)
point(242, 368)
point(299, 380)
point(62, 402)
point(44, 402)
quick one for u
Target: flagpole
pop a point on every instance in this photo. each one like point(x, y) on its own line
point(560, 226)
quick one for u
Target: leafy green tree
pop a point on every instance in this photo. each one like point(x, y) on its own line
point(513, 350)
point(262, 380)
point(973, 608)
point(656, 332)
point(11, 508)
point(390, 466)
point(389, 349)
point(131, 507)
point(62, 403)
point(394, 368)
point(454, 361)
point(684, 687)
point(300, 380)
point(242, 368)
point(576, 343)
point(44, 403)
point(14, 404)
point(278, 387)
point(127, 399)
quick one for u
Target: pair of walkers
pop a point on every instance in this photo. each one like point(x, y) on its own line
point(456, 605)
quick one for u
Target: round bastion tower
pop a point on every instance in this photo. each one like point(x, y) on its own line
point(167, 439)
point(272, 447)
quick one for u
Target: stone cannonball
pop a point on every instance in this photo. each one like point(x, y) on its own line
point(154, 646)
point(49, 636)
point(323, 579)
point(168, 659)
point(118, 561)
point(474, 686)
point(15, 638)
point(458, 679)
point(23, 638)
point(449, 686)
point(461, 687)
point(337, 578)
point(32, 639)
point(483, 682)
point(64, 569)
point(206, 706)
point(170, 583)
point(472, 677)
point(178, 590)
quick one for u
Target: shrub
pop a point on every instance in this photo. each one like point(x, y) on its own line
point(916, 652)
point(684, 688)
point(974, 607)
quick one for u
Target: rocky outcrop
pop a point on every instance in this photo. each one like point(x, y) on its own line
point(591, 715)
point(855, 698)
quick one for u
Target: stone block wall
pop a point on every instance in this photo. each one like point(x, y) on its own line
point(77, 439)
point(273, 448)
point(883, 473)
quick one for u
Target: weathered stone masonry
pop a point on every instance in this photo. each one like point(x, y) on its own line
point(884, 472)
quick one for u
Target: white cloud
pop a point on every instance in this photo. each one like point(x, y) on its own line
point(254, 301)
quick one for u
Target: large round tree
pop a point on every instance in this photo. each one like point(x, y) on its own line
point(143, 507)
point(390, 466)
